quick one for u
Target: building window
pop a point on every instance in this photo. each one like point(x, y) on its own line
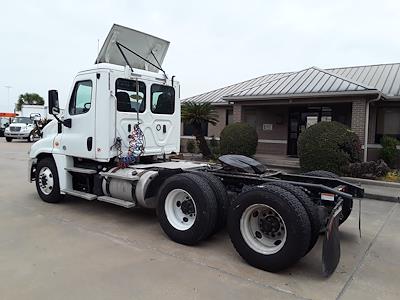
point(128, 100)
point(387, 122)
point(188, 129)
point(229, 116)
point(81, 98)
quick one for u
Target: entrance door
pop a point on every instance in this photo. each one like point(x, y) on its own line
point(294, 123)
point(302, 118)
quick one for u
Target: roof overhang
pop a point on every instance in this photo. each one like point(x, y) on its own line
point(300, 96)
point(147, 46)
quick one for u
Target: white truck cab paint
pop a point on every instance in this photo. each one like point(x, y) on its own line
point(103, 103)
point(107, 100)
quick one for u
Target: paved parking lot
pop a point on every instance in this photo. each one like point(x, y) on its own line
point(93, 250)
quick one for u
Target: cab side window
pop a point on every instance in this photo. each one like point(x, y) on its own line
point(162, 99)
point(81, 98)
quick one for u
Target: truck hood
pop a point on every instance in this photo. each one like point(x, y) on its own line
point(141, 43)
point(21, 125)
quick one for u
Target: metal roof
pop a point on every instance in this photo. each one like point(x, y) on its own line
point(215, 96)
point(384, 78)
point(309, 81)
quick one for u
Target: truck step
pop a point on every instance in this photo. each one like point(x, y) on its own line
point(80, 194)
point(80, 170)
point(116, 201)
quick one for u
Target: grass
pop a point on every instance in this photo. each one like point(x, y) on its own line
point(392, 176)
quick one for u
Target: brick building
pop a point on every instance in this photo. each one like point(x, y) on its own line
point(280, 106)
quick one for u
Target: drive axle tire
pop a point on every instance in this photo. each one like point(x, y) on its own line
point(310, 207)
point(269, 228)
point(8, 139)
point(221, 197)
point(47, 183)
point(187, 208)
point(347, 205)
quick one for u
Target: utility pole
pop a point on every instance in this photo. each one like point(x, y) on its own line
point(8, 87)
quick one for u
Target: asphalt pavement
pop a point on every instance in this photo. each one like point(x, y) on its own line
point(93, 250)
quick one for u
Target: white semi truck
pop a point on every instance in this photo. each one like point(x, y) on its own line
point(123, 115)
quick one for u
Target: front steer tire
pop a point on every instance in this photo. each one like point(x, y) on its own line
point(48, 166)
point(295, 239)
point(8, 139)
point(177, 197)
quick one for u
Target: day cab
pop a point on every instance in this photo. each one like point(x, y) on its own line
point(123, 88)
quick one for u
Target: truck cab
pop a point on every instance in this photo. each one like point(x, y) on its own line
point(125, 88)
point(20, 128)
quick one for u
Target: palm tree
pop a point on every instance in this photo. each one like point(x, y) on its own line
point(197, 114)
point(29, 98)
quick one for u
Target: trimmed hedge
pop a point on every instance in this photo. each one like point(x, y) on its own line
point(191, 146)
point(389, 153)
point(239, 138)
point(368, 170)
point(329, 146)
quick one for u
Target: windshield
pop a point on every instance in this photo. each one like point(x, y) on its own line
point(23, 120)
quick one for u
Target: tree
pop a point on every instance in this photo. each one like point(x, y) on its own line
point(29, 98)
point(196, 114)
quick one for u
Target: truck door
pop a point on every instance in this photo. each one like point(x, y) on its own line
point(131, 108)
point(158, 115)
point(165, 125)
point(78, 140)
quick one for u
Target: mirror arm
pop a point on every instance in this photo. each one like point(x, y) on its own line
point(66, 123)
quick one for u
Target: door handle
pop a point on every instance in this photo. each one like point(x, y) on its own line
point(164, 128)
point(129, 128)
point(89, 143)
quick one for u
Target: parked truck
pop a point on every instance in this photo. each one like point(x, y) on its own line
point(5, 120)
point(121, 123)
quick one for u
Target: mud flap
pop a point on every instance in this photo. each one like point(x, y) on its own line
point(331, 246)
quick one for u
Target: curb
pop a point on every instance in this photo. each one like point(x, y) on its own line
point(382, 197)
point(372, 182)
point(376, 183)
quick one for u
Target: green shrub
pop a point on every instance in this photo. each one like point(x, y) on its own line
point(191, 146)
point(213, 144)
point(368, 170)
point(389, 153)
point(329, 146)
point(239, 138)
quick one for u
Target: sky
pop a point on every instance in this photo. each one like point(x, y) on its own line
point(43, 44)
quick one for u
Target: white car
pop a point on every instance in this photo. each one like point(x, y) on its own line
point(20, 128)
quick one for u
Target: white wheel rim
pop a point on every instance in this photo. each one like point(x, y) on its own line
point(46, 180)
point(263, 229)
point(180, 209)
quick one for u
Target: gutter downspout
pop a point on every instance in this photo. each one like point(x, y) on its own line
point(366, 131)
